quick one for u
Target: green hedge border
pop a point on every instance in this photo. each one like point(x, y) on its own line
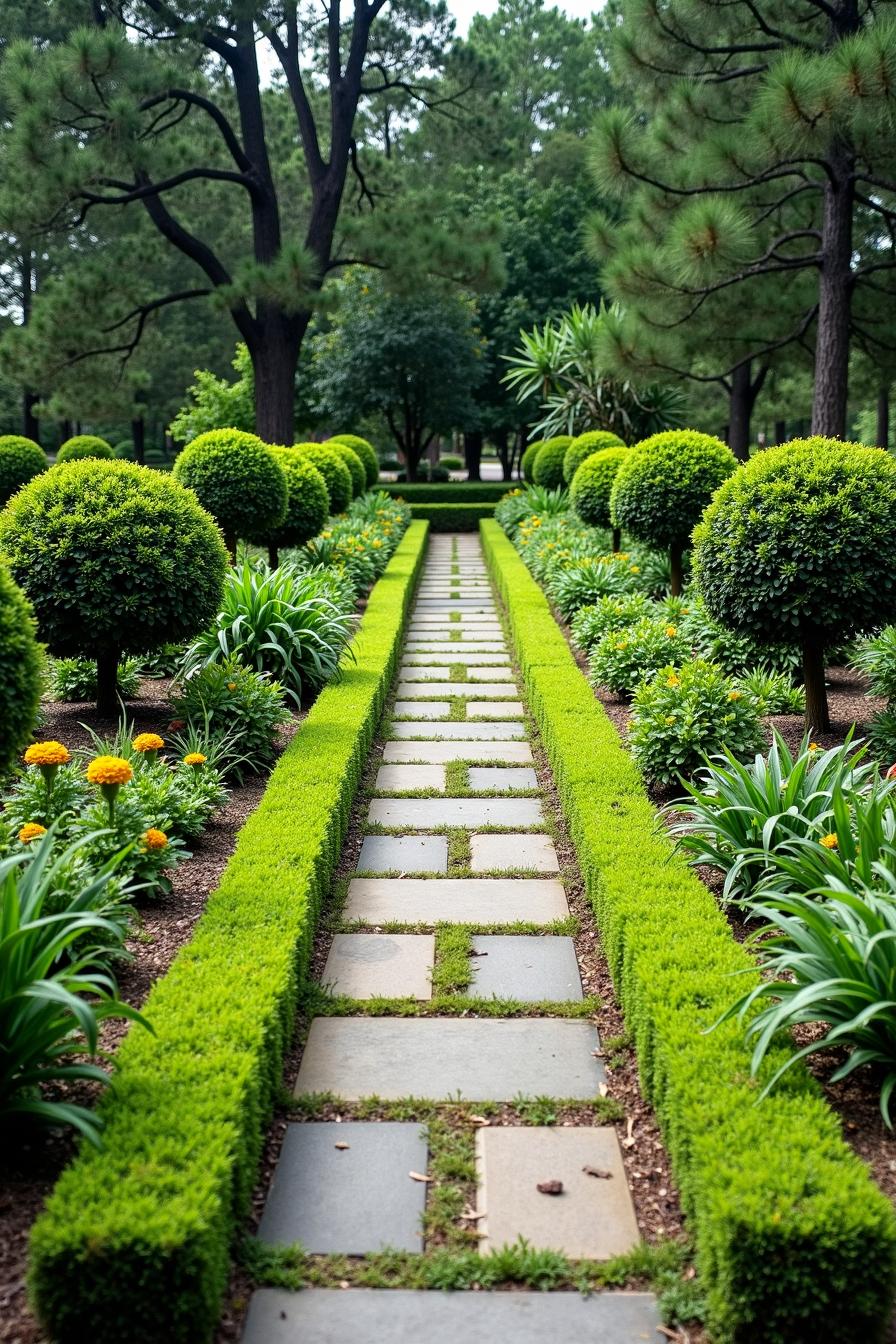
point(450, 492)
point(135, 1240)
point(453, 517)
point(795, 1242)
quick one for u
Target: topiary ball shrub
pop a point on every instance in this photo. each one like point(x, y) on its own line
point(84, 445)
point(115, 558)
point(595, 441)
point(307, 505)
point(334, 471)
point(592, 486)
point(355, 467)
point(663, 486)
point(527, 461)
point(237, 479)
point(21, 670)
point(799, 546)
point(548, 468)
point(365, 451)
point(21, 460)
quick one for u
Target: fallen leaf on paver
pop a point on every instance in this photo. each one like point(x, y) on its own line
point(471, 1215)
point(480, 1120)
point(550, 1187)
point(598, 1172)
point(628, 1141)
point(473, 953)
point(341, 1145)
point(603, 1089)
point(418, 1176)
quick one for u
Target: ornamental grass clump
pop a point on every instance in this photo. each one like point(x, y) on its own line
point(625, 658)
point(548, 466)
point(581, 584)
point(238, 480)
point(21, 460)
point(592, 485)
point(586, 445)
point(799, 547)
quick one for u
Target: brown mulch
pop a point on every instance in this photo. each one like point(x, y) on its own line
point(28, 1173)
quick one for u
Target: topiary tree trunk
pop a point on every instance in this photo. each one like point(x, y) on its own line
point(676, 566)
point(817, 713)
point(107, 683)
point(617, 540)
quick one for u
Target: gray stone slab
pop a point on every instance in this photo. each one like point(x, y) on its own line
point(412, 671)
point(455, 900)
point(497, 664)
point(593, 1219)
point(479, 1059)
point(470, 732)
point(462, 619)
point(502, 690)
point(380, 965)
point(457, 649)
point(493, 669)
point(406, 1316)
point(421, 709)
point(529, 968)
point(403, 853)
point(439, 753)
point(403, 778)
point(429, 813)
point(485, 778)
point(352, 1200)
point(495, 709)
point(502, 852)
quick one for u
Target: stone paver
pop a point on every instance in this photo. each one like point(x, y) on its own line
point(405, 1316)
point(496, 709)
point(403, 778)
point(479, 670)
point(459, 649)
point(502, 690)
point(438, 753)
point(404, 853)
point(348, 1200)
point(470, 732)
point(593, 1219)
point(478, 1059)
point(457, 900)
point(421, 709)
point(380, 965)
point(502, 852)
point(433, 660)
point(526, 968)
point(430, 813)
point(425, 672)
point(485, 778)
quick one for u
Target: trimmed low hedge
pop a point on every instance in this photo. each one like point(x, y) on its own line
point(462, 492)
point(795, 1243)
point(453, 517)
point(135, 1240)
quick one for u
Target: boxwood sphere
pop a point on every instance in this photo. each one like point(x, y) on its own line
point(308, 501)
point(592, 485)
point(334, 471)
point(527, 461)
point(365, 451)
point(354, 464)
point(21, 460)
point(236, 477)
point(665, 483)
point(548, 469)
point(802, 537)
point(585, 446)
point(113, 556)
point(84, 445)
point(21, 669)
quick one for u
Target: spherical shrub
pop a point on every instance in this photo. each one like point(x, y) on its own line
point(307, 506)
point(115, 558)
point(663, 486)
point(592, 485)
point(800, 547)
point(334, 471)
point(595, 441)
point(548, 468)
point(84, 445)
point(355, 467)
point(21, 670)
point(237, 478)
point(527, 461)
point(365, 451)
point(21, 460)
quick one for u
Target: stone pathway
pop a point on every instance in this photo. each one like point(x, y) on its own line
point(456, 839)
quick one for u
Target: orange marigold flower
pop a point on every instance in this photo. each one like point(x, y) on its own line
point(148, 742)
point(47, 753)
point(673, 680)
point(32, 830)
point(829, 841)
point(194, 758)
point(891, 773)
point(109, 770)
point(734, 695)
point(231, 685)
point(813, 746)
point(155, 839)
point(671, 631)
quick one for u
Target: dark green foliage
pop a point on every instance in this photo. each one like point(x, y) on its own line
point(84, 445)
point(355, 466)
point(548, 468)
point(21, 670)
point(307, 503)
point(458, 492)
point(452, 517)
point(527, 461)
point(665, 483)
point(336, 474)
point(74, 679)
point(236, 477)
point(623, 659)
point(794, 1240)
point(585, 445)
point(592, 485)
point(20, 460)
point(113, 557)
point(146, 1255)
point(876, 658)
point(365, 451)
point(230, 698)
point(613, 612)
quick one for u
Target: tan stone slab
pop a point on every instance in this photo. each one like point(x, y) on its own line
point(504, 852)
point(439, 753)
point(404, 778)
point(593, 1219)
point(380, 965)
point(458, 731)
point(455, 900)
point(431, 813)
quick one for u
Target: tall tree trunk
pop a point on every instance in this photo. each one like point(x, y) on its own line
point(505, 453)
point(473, 454)
point(883, 417)
point(817, 715)
point(107, 683)
point(65, 430)
point(834, 296)
point(30, 422)
point(740, 409)
point(780, 431)
point(275, 358)
point(676, 565)
point(138, 437)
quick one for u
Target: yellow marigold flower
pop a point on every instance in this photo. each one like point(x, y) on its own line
point(109, 770)
point(194, 758)
point(670, 718)
point(673, 680)
point(829, 841)
point(47, 753)
point(813, 746)
point(634, 569)
point(734, 695)
point(31, 831)
point(147, 742)
point(671, 631)
point(154, 839)
point(231, 685)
